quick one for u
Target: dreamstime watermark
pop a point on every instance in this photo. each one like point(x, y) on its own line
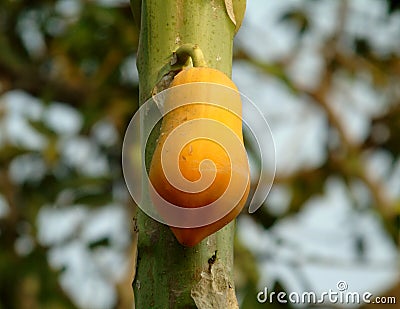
point(186, 131)
point(339, 296)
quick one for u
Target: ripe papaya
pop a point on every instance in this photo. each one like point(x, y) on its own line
point(218, 171)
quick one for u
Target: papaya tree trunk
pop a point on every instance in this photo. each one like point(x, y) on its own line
point(169, 275)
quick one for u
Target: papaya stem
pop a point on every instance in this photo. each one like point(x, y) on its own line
point(192, 51)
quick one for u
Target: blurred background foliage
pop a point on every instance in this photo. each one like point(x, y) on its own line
point(68, 88)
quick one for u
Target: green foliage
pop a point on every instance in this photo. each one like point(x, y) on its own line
point(81, 60)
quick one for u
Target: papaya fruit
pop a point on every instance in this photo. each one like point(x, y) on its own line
point(201, 158)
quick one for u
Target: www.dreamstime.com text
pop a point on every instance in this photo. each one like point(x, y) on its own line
point(339, 296)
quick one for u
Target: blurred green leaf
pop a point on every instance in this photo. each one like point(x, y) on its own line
point(298, 18)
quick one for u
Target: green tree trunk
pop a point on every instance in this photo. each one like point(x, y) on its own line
point(169, 275)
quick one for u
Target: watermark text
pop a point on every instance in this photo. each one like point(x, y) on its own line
point(340, 295)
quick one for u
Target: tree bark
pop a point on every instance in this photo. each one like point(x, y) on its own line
point(169, 275)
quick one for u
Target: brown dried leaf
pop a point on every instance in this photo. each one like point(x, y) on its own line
point(229, 10)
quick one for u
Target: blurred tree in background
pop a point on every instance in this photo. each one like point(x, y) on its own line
point(325, 73)
point(327, 78)
point(67, 75)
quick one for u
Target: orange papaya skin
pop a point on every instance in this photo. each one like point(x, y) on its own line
point(195, 152)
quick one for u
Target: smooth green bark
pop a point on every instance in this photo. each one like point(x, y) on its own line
point(166, 271)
